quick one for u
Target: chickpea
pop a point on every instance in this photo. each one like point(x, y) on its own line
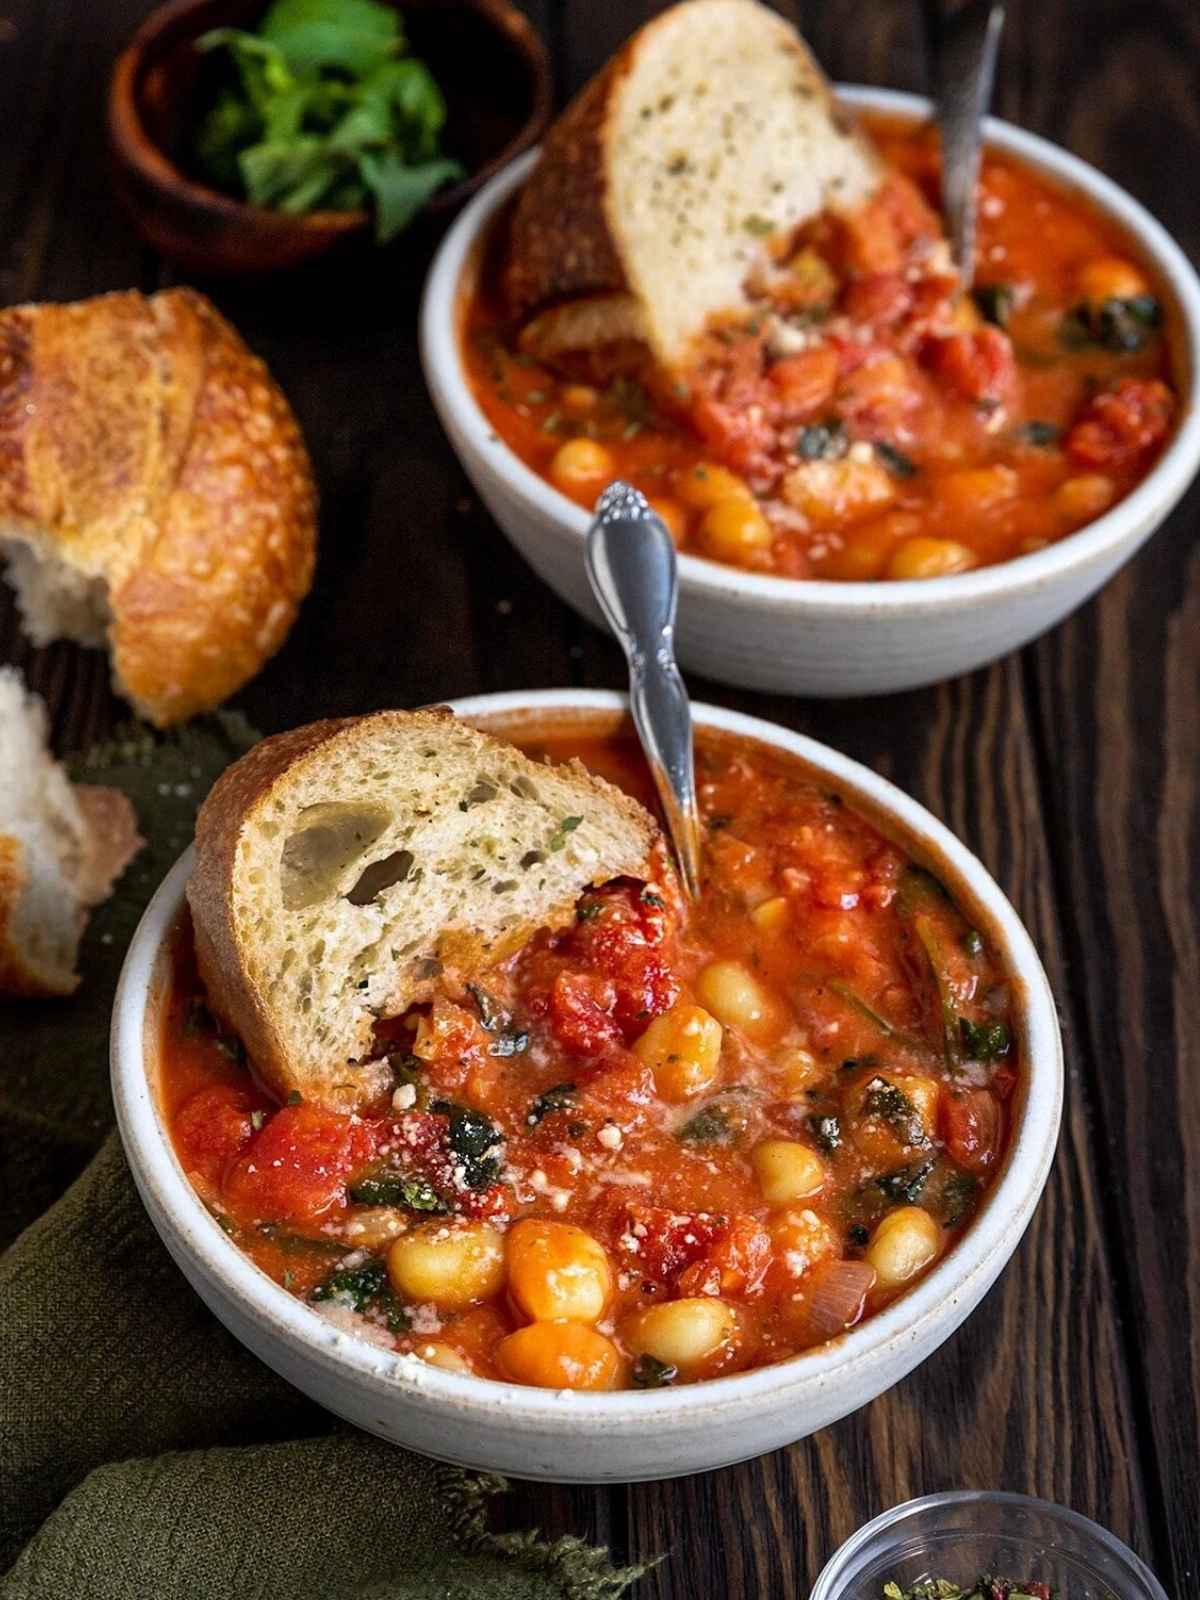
point(869, 544)
point(373, 1229)
point(579, 399)
point(673, 514)
point(705, 484)
point(796, 1069)
point(557, 1272)
point(581, 466)
point(450, 1264)
point(1111, 278)
point(834, 492)
point(799, 1239)
point(773, 915)
point(687, 1334)
point(734, 530)
point(904, 1242)
point(559, 1355)
point(929, 558)
point(437, 1353)
point(1078, 500)
point(735, 997)
point(787, 1170)
point(682, 1048)
point(974, 489)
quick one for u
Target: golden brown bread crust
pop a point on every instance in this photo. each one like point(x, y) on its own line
point(230, 807)
point(233, 797)
point(143, 444)
point(560, 241)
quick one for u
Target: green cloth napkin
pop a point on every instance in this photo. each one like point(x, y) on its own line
point(143, 1452)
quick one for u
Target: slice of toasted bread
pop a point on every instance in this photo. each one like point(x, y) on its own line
point(61, 848)
point(345, 870)
point(710, 132)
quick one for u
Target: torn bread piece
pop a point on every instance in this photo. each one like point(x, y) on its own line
point(712, 133)
point(62, 847)
point(345, 870)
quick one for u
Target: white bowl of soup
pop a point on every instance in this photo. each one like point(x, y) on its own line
point(915, 503)
point(743, 1166)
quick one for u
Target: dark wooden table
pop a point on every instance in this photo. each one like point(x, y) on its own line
point(1072, 769)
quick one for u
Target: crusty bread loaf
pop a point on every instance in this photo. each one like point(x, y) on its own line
point(61, 848)
point(345, 870)
point(155, 493)
point(712, 130)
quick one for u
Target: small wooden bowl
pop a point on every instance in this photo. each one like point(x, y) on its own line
point(487, 58)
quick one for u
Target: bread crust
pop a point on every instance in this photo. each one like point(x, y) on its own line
point(567, 238)
point(238, 795)
point(20, 977)
point(143, 444)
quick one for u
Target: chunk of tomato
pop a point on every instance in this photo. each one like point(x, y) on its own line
point(1122, 423)
point(213, 1127)
point(979, 364)
point(296, 1168)
point(581, 1013)
point(971, 1126)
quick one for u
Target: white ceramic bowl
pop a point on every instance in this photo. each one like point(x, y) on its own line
point(805, 636)
point(593, 1438)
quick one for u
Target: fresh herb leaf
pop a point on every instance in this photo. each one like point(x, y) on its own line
point(558, 839)
point(984, 1041)
point(560, 1098)
point(651, 1373)
point(995, 301)
point(897, 463)
point(401, 190)
point(351, 36)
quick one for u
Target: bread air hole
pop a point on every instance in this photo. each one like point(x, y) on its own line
point(380, 875)
point(332, 836)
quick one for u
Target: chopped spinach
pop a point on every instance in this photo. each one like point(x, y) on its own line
point(1122, 326)
point(891, 1105)
point(364, 1288)
point(897, 463)
point(984, 1041)
point(822, 441)
point(560, 1098)
point(407, 1190)
point(651, 1373)
point(995, 301)
point(474, 1138)
point(826, 1131)
point(509, 1040)
point(903, 1185)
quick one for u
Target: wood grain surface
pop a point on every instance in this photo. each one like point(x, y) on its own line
point(1072, 770)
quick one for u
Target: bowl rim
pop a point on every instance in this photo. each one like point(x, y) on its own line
point(1157, 493)
point(917, 1313)
point(133, 144)
point(892, 1520)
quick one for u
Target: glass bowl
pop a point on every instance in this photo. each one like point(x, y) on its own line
point(966, 1532)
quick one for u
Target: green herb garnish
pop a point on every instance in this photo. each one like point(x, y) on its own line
point(406, 1190)
point(364, 1288)
point(475, 1139)
point(892, 1106)
point(651, 1373)
point(321, 109)
point(1122, 326)
point(903, 1185)
point(568, 825)
point(984, 1041)
point(559, 1098)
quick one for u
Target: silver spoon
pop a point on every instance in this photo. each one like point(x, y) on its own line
point(963, 45)
point(634, 575)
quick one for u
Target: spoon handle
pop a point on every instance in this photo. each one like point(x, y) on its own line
point(964, 44)
point(633, 571)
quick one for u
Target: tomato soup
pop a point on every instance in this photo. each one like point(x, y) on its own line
point(861, 419)
point(667, 1143)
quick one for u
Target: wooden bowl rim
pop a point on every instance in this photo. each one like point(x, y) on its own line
point(138, 150)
